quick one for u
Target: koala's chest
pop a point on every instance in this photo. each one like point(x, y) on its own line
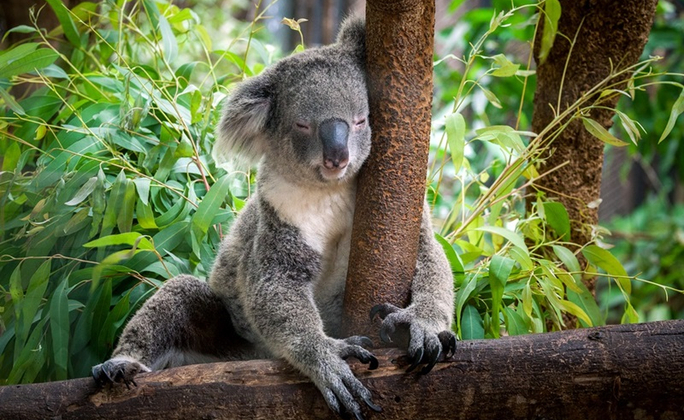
point(324, 220)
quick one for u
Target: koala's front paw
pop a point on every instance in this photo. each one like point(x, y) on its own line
point(118, 369)
point(426, 343)
point(337, 383)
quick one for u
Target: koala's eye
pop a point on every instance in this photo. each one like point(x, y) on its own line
point(360, 123)
point(302, 126)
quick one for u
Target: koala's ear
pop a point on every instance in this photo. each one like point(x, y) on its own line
point(353, 35)
point(241, 133)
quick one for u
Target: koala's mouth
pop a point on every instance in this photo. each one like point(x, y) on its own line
point(332, 174)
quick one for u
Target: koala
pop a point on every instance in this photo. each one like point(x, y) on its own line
point(277, 285)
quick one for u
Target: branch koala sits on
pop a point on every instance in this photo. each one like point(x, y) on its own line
point(277, 285)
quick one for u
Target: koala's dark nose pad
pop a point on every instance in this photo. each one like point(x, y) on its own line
point(334, 134)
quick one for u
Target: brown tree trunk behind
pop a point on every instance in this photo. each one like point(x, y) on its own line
point(384, 246)
point(609, 33)
point(618, 372)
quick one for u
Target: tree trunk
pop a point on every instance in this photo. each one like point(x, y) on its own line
point(609, 33)
point(604, 373)
point(384, 245)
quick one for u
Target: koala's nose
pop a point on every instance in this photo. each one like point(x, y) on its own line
point(334, 134)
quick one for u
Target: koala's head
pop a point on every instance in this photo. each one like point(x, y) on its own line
point(306, 116)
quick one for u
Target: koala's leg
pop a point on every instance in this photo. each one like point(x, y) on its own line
point(184, 322)
point(425, 325)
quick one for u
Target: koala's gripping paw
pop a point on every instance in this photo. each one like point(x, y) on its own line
point(118, 370)
point(340, 388)
point(426, 343)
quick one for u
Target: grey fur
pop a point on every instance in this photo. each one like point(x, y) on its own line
point(277, 285)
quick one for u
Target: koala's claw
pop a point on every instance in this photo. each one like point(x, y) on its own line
point(354, 349)
point(117, 370)
point(448, 341)
point(417, 358)
point(383, 310)
point(425, 344)
point(359, 340)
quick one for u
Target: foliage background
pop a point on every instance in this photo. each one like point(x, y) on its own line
point(108, 186)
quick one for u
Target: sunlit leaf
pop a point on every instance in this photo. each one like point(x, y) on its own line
point(604, 260)
point(676, 110)
point(597, 130)
point(455, 131)
point(59, 329)
point(551, 16)
point(472, 326)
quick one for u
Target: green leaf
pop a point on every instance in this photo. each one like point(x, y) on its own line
point(676, 110)
point(33, 298)
point(145, 215)
point(31, 354)
point(472, 326)
point(455, 131)
point(491, 97)
point(568, 258)
point(59, 329)
point(463, 294)
point(597, 130)
point(551, 16)
point(11, 157)
point(169, 43)
point(8, 56)
point(142, 185)
point(515, 325)
point(629, 126)
point(586, 301)
point(113, 321)
point(210, 204)
point(134, 239)
point(502, 67)
point(514, 238)
point(499, 270)
point(557, 217)
point(83, 192)
point(124, 220)
point(82, 331)
point(64, 17)
point(35, 60)
point(604, 260)
point(11, 103)
point(452, 256)
point(22, 29)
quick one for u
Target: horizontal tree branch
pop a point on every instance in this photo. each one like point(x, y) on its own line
point(615, 372)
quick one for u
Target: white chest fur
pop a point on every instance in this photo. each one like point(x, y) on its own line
point(324, 217)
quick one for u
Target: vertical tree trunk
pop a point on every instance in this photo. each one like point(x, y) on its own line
point(384, 247)
point(608, 33)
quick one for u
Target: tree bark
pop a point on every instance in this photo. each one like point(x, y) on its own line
point(604, 373)
point(609, 33)
point(391, 189)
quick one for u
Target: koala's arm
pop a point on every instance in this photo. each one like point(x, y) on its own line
point(429, 316)
point(280, 307)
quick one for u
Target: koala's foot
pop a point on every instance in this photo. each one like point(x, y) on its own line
point(340, 388)
point(426, 343)
point(118, 369)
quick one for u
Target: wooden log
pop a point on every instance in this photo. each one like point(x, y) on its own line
point(616, 372)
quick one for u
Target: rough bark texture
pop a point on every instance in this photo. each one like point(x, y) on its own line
point(618, 372)
point(609, 30)
point(399, 45)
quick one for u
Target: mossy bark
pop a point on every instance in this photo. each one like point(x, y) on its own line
point(618, 372)
point(384, 245)
point(594, 38)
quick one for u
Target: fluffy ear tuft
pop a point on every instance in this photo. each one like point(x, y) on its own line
point(241, 133)
point(353, 35)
